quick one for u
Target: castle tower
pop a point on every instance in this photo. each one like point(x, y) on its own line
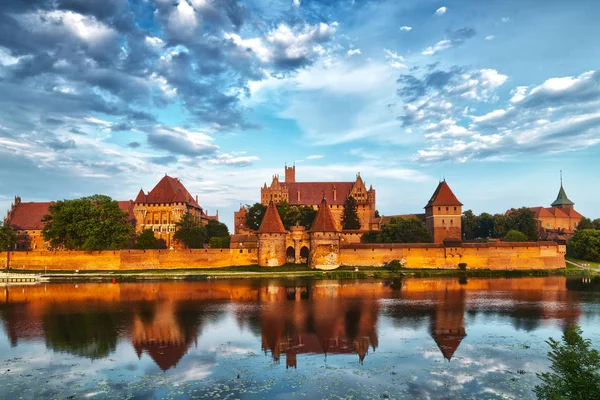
point(443, 214)
point(324, 239)
point(562, 201)
point(290, 174)
point(271, 239)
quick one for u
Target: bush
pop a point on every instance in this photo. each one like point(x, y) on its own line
point(369, 237)
point(585, 245)
point(462, 266)
point(575, 369)
point(515, 236)
point(395, 265)
point(146, 240)
point(219, 242)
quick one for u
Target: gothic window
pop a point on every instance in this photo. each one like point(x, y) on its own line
point(439, 208)
point(443, 222)
point(447, 208)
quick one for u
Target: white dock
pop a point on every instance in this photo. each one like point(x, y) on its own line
point(21, 278)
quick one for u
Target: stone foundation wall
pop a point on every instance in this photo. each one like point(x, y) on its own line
point(130, 259)
point(498, 256)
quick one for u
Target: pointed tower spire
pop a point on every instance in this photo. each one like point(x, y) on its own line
point(562, 201)
point(271, 222)
point(324, 221)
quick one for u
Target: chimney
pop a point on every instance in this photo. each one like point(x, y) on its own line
point(298, 196)
point(334, 194)
point(196, 198)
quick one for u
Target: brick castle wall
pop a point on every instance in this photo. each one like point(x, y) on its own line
point(130, 259)
point(497, 256)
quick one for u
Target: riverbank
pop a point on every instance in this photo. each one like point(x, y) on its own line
point(292, 271)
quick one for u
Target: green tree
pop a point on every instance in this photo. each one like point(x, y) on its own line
point(255, 215)
point(146, 240)
point(469, 225)
point(585, 245)
point(515, 236)
point(216, 229)
point(292, 217)
point(523, 220)
point(190, 231)
point(308, 216)
point(596, 223)
point(501, 225)
point(585, 223)
point(377, 215)
point(219, 242)
point(350, 219)
point(8, 237)
point(89, 223)
point(485, 226)
point(575, 369)
point(400, 230)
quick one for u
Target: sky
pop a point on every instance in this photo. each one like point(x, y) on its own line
point(497, 97)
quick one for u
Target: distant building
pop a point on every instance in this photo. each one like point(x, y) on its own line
point(443, 214)
point(560, 218)
point(312, 193)
point(158, 210)
point(162, 207)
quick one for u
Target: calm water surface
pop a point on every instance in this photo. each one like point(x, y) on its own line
point(285, 339)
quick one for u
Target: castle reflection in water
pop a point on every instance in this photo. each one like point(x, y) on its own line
point(292, 317)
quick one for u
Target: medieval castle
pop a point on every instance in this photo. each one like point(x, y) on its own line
point(325, 245)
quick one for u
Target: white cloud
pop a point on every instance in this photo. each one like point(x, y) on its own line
point(406, 28)
point(315, 157)
point(183, 19)
point(490, 37)
point(439, 46)
point(285, 44)
point(296, 3)
point(556, 116)
point(353, 52)
point(505, 19)
point(233, 160)
point(154, 42)
point(394, 60)
point(441, 11)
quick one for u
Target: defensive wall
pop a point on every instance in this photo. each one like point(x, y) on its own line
point(497, 255)
point(130, 259)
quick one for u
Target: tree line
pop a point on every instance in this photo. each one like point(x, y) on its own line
point(518, 225)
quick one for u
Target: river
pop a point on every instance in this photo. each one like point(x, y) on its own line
point(416, 338)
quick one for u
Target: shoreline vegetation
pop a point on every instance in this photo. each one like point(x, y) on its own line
point(293, 271)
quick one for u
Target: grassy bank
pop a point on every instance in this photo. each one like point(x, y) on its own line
point(294, 271)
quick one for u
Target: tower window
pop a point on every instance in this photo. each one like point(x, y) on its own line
point(439, 208)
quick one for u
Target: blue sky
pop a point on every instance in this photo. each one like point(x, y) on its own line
point(108, 96)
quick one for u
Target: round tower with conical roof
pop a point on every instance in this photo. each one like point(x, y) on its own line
point(271, 239)
point(324, 240)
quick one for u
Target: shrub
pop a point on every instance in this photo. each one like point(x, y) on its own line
point(515, 236)
point(462, 266)
point(395, 265)
point(219, 242)
point(575, 369)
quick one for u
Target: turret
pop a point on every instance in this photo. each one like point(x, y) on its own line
point(443, 214)
point(324, 239)
point(271, 239)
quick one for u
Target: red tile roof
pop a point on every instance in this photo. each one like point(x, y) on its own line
point(29, 216)
point(324, 221)
point(540, 212)
point(312, 192)
point(271, 222)
point(169, 190)
point(443, 196)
